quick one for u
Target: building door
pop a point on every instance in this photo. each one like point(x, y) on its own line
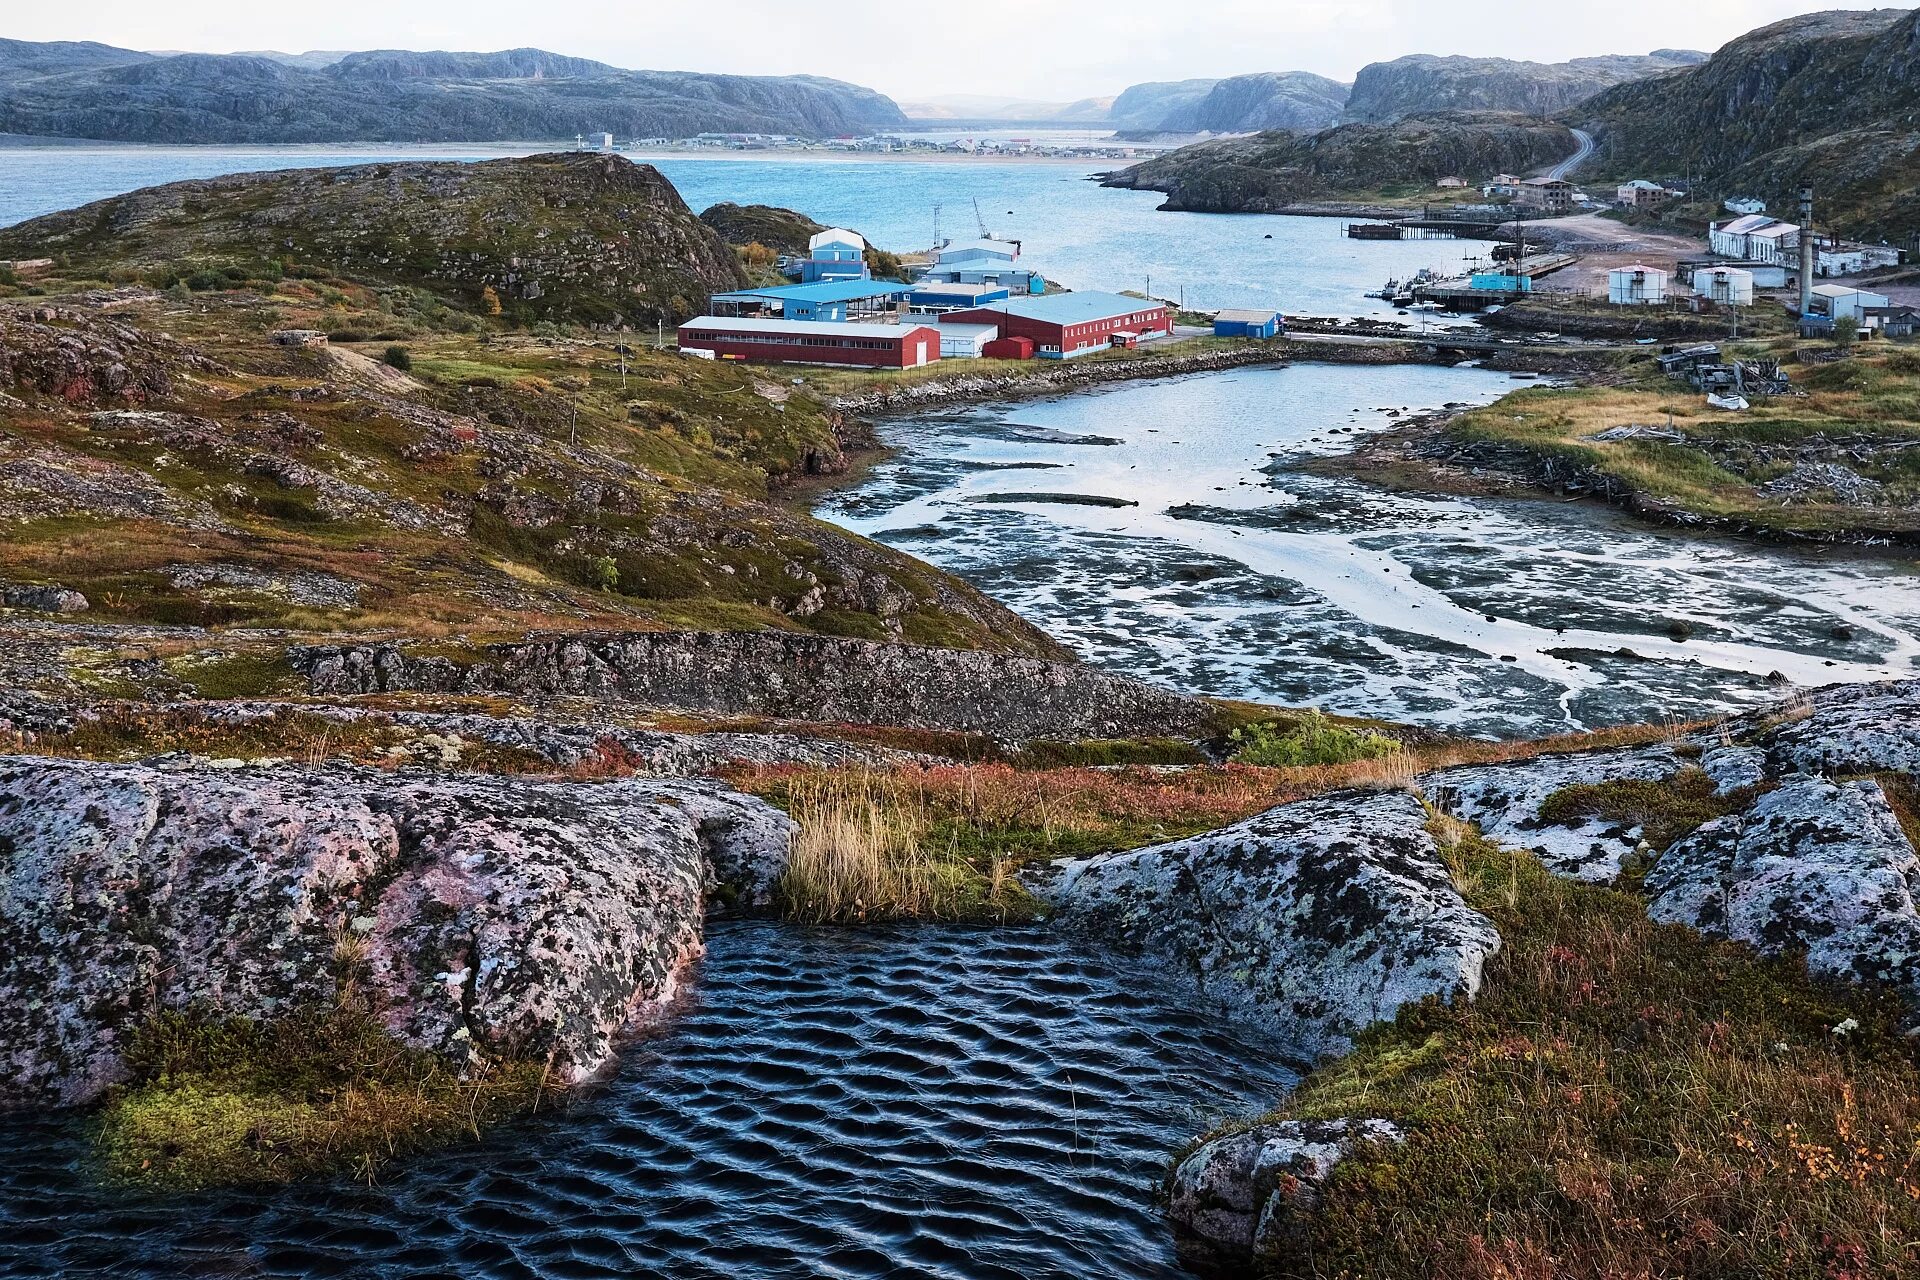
point(920, 352)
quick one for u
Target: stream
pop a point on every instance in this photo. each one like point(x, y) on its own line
point(1163, 530)
point(896, 1101)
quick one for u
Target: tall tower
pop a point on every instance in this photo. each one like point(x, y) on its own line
point(1806, 251)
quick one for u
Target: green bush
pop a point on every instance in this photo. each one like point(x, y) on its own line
point(1311, 740)
point(398, 358)
point(604, 573)
point(203, 280)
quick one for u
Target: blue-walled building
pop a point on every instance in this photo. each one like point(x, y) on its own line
point(825, 301)
point(939, 296)
point(835, 254)
point(1017, 280)
point(1248, 324)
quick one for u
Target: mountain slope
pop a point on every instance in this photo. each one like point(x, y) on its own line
point(1269, 100)
point(1270, 171)
point(1147, 106)
point(1833, 98)
point(573, 237)
point(1422, 83)
point(404, 96)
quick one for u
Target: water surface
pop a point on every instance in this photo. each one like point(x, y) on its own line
point(1230, 572)
point(1084, 235)
point(970, 1105)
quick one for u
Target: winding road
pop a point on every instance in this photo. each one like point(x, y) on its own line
point(1566, 167)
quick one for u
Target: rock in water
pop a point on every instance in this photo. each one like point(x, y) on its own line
point(1813, 865)
point(497, 915)
point(1247, 1192)
point(1317, 918)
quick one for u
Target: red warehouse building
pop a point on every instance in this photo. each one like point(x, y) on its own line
point(1063, 325)
point(876, 346)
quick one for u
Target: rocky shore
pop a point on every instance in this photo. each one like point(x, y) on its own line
point(1049, 379)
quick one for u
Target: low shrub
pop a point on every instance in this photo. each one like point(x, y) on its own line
point(397, 358)
point(1311, 740)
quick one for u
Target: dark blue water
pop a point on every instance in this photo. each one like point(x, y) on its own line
point(1081, 234)
point(893, 1102)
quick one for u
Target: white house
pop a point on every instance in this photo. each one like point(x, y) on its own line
point(1745, 204)
point(1755, 237)
point(1636, 285)
point(1730, 285)
point(1840, 302)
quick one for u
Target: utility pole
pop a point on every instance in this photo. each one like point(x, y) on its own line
point(573, 430)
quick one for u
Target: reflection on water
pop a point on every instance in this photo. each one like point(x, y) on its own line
point(1237, 575)
point(889, 1102)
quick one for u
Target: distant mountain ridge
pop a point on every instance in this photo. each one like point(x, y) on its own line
point(1296, 100)
point(1271, 172)
point(1422, 82)
point(1830, 98)
point(78, 90)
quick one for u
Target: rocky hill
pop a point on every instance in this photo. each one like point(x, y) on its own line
point(1832, 98)
point(1422, 83)
point(94, 91)
point(570, 237)
point(1269, 172)
point(1145, 107)
point(1295, 100)
point(785, 231)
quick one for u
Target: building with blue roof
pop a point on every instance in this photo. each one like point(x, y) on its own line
point(826, 301)
point(988, 271)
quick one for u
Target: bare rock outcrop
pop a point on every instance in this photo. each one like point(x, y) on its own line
point(1317, 918)
point(490, 915)
point(787, 675)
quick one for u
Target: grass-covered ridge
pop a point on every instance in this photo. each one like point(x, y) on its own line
point(1768, 468)
point(1622, 1099)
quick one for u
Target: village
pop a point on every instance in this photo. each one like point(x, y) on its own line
point(1613, 253)
point(971, 299)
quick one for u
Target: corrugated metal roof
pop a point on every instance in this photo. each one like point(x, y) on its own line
point(1747, 225)
point(824, 291)
point(1073, 308)
point(837, 235)
point(1002, 248)
point(1247, 317)
point(755, 324)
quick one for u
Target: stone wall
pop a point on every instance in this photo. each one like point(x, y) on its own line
point(784, 675)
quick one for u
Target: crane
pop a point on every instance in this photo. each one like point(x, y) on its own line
point(981, 219)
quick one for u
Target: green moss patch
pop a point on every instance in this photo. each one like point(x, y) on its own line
point(1664, 809)
point(218, 1101)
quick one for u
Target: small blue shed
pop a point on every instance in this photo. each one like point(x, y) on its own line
point(1248, 324)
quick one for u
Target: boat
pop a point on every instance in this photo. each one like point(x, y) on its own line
point(1728, 401)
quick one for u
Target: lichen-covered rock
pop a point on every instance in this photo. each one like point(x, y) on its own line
point(42, 599)
point(1814, 865)
point(1852, 729)
point(1317, 918)
point(1247, 1193)
point(1505, 799)
point(493, 915)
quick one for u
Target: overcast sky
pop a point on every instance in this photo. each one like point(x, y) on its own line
point(1048, 52)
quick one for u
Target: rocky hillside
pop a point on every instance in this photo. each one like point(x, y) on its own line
point(1422, 83)
point(1272, 171)
point(784, 231)
point(1832, 98)
point(1271, 100)
point(95, 91)
point(1144, 108)
point(570, 237)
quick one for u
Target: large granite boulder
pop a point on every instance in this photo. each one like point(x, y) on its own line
point(1317, 918)
point(490, 915)
point(1861, 728)
point(1249, 1194)
point(1813, 865)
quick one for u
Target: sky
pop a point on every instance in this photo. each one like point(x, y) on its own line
point(1026, 49)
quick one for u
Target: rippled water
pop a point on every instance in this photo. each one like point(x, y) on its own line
point(1238, 575)
point(1079, 233)
point(889, 1102)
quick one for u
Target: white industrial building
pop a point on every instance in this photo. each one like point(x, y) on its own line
point(1746, 204)
point(1756, 237)
point(966, 341)
point(1844, 258)
point(1842, 302)
point(1636, 285)
point(1730, 285)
